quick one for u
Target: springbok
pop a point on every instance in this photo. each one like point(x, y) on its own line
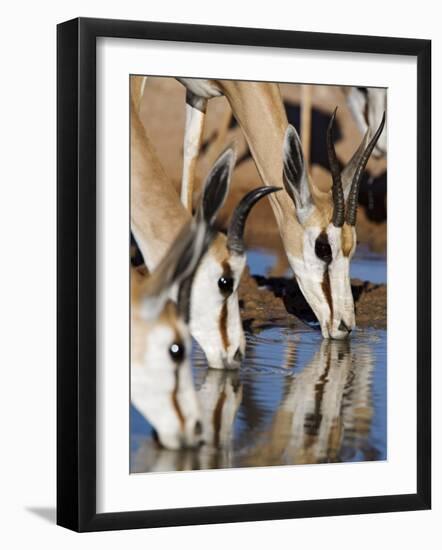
point(367, 106)
point(157, 216)
point(219, 396)
point(317, 227)
point(161, 379)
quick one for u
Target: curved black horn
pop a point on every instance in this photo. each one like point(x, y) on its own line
point(235, 232)
point(337, 192)
point(352, 202)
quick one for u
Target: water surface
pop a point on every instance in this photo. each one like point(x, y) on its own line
point(297, 399)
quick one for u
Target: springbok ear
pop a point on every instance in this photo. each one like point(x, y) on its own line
point(216, 187)
point(177, 268)
point(295, 175)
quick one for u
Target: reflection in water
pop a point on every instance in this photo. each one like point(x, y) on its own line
point(317, 408)
point(298, 399)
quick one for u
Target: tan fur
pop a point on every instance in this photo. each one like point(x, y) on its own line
point(320, 217)
point(157, 214)
point(157, 217)
point(218, 248)
point(347, 239)
point(138, 326)
point(258, 108)
point(136, 90)
point(139, 287)
point(189, 197)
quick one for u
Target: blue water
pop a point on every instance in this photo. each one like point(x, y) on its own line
point(366, 265)
point(297, 399)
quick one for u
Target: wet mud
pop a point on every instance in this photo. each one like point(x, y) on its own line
point(269, 301)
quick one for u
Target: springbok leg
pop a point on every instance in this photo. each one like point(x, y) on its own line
point(195, 115)
point(306, 121)
point(138, 83)
point(219, 142)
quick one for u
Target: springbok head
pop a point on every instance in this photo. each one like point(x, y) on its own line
point(367, 106)
point(215, 317)
point(162, 387)
point(322, 260)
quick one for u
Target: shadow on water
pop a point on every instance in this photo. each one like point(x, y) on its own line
point(297, 399)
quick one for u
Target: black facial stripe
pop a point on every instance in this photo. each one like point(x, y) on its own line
point(223, 326)
point(322, 248)
point(175, 401)
point(326, 289)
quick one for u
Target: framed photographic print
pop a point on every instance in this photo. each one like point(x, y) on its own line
point(243, 309)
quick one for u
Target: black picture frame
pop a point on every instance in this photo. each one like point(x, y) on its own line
point(76, 273)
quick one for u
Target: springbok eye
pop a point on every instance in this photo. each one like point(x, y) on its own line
point(225, 284)
point(323, 249)
point(177, 352)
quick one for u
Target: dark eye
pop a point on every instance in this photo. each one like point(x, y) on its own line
point(177, 352)
point(323, 248)
point(225, 284)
